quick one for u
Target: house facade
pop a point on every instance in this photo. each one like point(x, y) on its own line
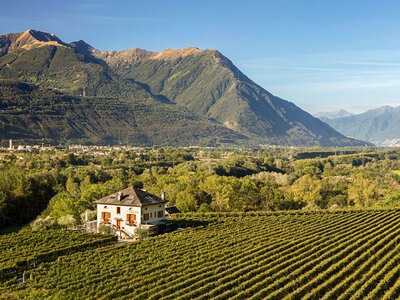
point(131, 208)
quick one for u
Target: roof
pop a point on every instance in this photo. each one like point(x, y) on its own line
point(131, 196)
point(172, 210)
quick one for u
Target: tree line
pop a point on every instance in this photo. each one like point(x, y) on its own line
point(64, 184)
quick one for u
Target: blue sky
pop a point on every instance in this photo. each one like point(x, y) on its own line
point(322, 55)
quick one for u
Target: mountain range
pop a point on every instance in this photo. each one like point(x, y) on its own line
point(380, 126)
point(333, 114)
point(64, 92)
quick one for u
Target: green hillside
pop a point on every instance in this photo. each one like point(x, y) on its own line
point(32, 113)
point(292, 255)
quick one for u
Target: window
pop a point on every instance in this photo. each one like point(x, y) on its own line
point(146, 216)
point(130, 218)
point(118, 210)
point(160, 214)
point(105, 216)
point(145, 208)
point(151, 215)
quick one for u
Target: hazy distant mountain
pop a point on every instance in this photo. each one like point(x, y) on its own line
point(202, 87)
point(380, 126)
point(333, 114)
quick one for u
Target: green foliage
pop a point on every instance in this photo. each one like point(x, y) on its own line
point(142, 233)
point(106, 229)
point(186, 201)
point(67, 221)
point(90, 214)
point(23, 196)
point(192, 180)
point(62, 204)
point(43, 223)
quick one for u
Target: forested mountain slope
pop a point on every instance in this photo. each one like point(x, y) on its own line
point(32, 113)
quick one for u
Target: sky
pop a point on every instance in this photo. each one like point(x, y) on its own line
point(322, 55)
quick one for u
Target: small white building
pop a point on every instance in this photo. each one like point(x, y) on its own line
point(131, 208)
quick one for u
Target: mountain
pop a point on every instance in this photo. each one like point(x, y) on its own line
point(199, 85)
point(380, 126)
point(333, 114)
point(33, 113)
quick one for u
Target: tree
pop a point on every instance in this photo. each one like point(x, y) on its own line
point(186, 201)
point(70, 158)
point(205, 207)
point(142, 233)
point(96, 191)
point(362, 191)
point(73, 187)
point(91, 215)
point(62, 204)
point(307, 189)
point(43, 223)
point(66, 221)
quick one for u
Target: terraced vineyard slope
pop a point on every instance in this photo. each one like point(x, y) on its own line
point(292, 255)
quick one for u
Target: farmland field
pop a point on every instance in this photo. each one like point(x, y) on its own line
point(292, 255)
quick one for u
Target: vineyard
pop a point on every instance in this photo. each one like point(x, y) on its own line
point(292, 255)
point(24, 250)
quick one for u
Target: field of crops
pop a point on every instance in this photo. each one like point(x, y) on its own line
point(24, 250)
point(321, 255)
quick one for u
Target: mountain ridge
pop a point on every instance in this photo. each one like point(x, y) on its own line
point(204, 82)
point(333, 114)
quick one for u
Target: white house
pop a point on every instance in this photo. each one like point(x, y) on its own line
point(131, 208)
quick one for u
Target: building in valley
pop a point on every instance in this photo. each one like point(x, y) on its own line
point(132, 208)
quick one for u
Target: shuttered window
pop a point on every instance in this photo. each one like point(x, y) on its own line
point(105, 216)
point(130, 218)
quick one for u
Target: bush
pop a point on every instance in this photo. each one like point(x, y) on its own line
point(204, 207)
point(142, 233)
point(41, 223)
point(105, 229)
point(67, 221)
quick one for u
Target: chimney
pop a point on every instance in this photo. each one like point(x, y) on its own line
point(163, 195)
point(119, 196)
